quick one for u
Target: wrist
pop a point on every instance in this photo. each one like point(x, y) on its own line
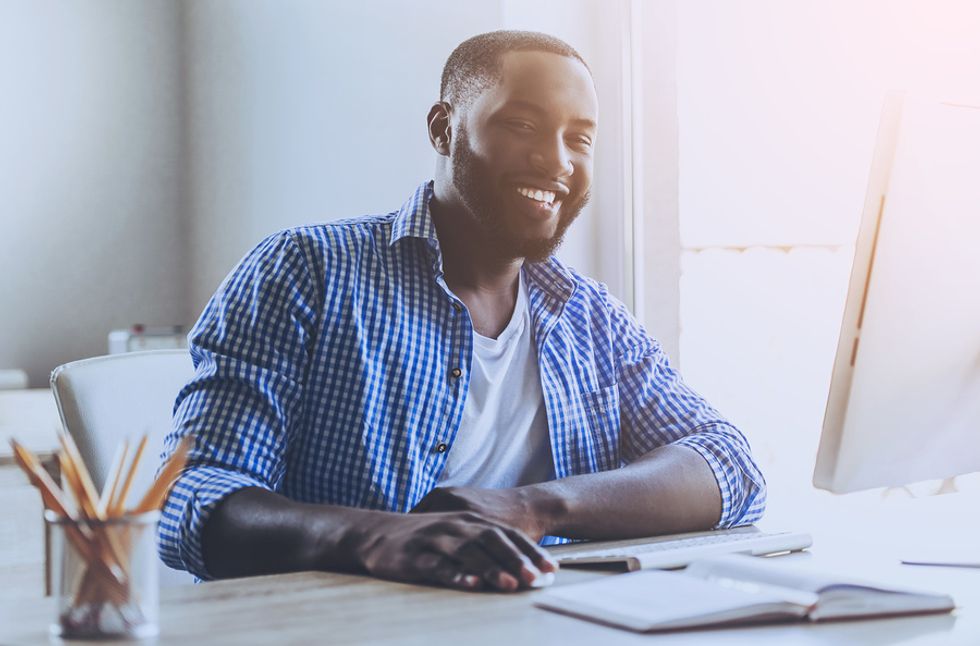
point(340, 541)
point(544, 507)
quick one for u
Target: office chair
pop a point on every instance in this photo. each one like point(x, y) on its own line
point(105, 399)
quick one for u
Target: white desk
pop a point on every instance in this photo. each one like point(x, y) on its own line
point(30, 417)
point(341, 609)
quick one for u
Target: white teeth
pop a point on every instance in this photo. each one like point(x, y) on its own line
point(537, 195)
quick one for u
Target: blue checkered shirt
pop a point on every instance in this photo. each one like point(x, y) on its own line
point(333, 362)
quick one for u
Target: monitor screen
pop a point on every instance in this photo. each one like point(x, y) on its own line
point(904, 402)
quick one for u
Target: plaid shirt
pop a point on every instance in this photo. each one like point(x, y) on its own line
point(332, 366)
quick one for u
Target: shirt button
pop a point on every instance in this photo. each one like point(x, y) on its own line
point(456, 373)
point(441, 447)
point(457, 306)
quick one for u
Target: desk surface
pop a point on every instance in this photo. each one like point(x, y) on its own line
point(863, 540)
point(341, 609)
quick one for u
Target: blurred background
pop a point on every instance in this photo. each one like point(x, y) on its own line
point(146, 145)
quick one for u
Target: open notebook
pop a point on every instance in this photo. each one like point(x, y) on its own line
point(732, 589)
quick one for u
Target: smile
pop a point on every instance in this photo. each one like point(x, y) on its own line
point(536, 194)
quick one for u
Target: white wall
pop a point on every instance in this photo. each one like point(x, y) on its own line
point(89, 196)
point(654, 157)
point(306, 111)
point(779, 106)
point(148, 145)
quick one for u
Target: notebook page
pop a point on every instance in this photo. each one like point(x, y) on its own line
point(767, 571)
point(657, 600)
point(839, 596)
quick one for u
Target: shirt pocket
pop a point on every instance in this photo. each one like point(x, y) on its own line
point(602, 412)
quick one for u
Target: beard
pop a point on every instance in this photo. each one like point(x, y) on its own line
point(485, 201)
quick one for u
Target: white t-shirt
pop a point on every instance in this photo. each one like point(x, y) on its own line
point(503, 439)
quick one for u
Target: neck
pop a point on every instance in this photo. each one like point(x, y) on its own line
point(469, 264)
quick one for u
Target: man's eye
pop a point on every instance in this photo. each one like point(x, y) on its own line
point(582, 142)
point(522, 126)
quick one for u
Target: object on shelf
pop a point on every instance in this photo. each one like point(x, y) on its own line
point(147, 337)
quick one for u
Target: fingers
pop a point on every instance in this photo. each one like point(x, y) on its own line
point(440, 569)
point(469, 555)
point(513, 555)
point(485, 550)
point(474, 557)
point(538, 555)
point(464, 551)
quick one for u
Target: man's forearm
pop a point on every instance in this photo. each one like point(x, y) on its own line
point(669, 490)
point(255, 531)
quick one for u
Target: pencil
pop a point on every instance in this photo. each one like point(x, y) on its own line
point(119, 503)
point(157, 493)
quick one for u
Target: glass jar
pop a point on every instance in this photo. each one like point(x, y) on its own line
point(104, 574)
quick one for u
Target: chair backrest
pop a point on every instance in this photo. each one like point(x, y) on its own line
point(105, 399)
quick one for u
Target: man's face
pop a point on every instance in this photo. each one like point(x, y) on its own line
point(522, 153)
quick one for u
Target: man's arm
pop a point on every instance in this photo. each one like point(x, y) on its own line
point(223, 516)
point(250, 348)
point(255, 531)
point(669, 490)
point(687, 468)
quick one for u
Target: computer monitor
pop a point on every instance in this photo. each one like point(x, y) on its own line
point(904, 402)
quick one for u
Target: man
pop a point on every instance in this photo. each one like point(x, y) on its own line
point(438, 360)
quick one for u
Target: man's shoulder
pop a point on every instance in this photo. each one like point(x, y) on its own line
point(336, 239)
point(341, 231)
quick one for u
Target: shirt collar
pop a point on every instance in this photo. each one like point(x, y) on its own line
point(414, 220)
point(551, 276)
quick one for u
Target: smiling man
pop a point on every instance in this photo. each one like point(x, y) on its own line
point(439, 360)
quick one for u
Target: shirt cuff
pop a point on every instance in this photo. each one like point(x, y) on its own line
point(743, 491)
point(190, 503)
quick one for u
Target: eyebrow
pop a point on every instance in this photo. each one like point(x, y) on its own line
point(533, 107)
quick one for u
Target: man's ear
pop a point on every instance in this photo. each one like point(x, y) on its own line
point(440, 127)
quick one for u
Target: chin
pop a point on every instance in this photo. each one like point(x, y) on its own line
point(537, 249)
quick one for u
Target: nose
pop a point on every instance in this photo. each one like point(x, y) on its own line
point(550, 157)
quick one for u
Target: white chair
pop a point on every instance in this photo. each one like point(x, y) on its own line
point(105, 399)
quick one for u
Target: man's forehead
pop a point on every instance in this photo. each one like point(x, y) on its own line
point(524, 66)
point(538, 81)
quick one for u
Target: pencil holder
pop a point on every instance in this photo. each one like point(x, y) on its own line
point(105, 576)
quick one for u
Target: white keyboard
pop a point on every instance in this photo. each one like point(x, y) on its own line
point(667, 552)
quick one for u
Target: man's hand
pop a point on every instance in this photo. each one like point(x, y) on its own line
point(510, 507)
point(457, 549)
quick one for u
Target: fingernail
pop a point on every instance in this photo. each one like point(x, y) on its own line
point(548, 564)
point(471, 581)
point(507, 581)
point(530, 573)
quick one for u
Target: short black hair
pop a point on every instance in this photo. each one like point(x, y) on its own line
point(475, 64)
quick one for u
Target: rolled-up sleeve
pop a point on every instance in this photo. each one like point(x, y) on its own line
point(658, 408)
point(250, 350)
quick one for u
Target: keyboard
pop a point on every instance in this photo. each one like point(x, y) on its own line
point(676, 551)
